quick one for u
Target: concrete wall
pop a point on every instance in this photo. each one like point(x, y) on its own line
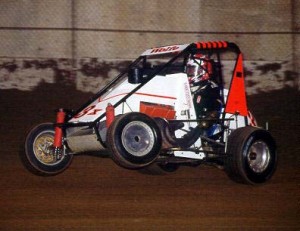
point(50, 34)
point(17, 20)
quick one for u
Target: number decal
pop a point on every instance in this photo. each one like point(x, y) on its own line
point(88, 111)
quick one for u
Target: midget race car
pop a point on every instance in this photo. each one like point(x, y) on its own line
point(147, 118)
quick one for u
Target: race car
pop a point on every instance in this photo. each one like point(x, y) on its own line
point(172, 106)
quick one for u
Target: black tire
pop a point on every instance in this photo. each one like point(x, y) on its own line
point(37, 158)
point(134, 140)
point(252, 157)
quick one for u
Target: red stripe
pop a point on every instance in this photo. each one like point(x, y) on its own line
point(137, 93)
point(160, 96)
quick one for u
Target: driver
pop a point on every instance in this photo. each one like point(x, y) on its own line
point(205, 91)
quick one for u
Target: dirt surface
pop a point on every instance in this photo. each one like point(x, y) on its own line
point(95, 194)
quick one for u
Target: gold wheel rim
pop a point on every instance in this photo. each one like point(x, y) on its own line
point(42, 148)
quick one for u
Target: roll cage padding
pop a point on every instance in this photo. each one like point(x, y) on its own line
point(211, 45)
point(215, 45)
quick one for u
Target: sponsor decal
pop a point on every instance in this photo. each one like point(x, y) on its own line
point(187, 95)
point(164, 49)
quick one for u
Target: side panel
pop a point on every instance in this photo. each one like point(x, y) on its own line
point(171, 90)
point(236, 101)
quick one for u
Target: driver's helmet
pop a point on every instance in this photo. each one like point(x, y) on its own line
point(198, 68)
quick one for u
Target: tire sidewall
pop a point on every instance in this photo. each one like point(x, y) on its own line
point(117, 138)
point(254, 177)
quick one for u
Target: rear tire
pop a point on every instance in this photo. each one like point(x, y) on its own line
point(38, 157)
point(252, 157)
point(134, 140)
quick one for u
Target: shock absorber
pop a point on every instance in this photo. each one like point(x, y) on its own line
point(57, 143)
point(110, 114)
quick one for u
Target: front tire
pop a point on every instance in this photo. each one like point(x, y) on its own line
point(38, 157)
point(134, 140)
point(252, 157)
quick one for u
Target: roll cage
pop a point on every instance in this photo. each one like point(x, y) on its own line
point(140, 73)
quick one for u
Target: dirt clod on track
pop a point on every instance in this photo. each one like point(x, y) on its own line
point(96, 194)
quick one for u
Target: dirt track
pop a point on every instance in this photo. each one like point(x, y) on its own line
point(95, 194)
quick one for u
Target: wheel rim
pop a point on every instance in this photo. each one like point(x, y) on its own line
point(42, 148)
point(137, 138)
point(258, 156)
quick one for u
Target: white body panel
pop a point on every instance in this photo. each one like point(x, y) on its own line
point(173, 90)
point(170, 90)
